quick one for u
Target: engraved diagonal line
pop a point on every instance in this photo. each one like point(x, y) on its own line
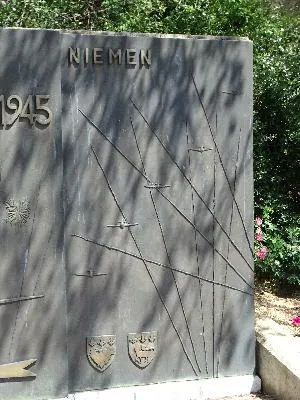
point(191, 184)
point(17, 299)
point(138, 148)
point(228, 247)
point(176, 284)
point(196, 250)
point(42, 263)
point(167, 253)
point(158, 264)
point(205, 238)
point(25, 267)
point(214, 265)
point(142, 174)
point(113, 145)
point(145, 264)
point(223, 168)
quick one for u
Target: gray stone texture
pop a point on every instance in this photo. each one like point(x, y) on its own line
point(204, 330)
point(125, 127)
point(277, 354)
point(32, 253)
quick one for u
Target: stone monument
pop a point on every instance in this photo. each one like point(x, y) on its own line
point(126, 211)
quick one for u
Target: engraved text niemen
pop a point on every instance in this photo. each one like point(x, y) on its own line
point(98, 56)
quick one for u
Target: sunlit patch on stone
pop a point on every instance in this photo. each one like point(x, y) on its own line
point(18, 211)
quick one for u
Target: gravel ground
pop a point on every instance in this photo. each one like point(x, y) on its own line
point(250, 397)
point(279, 307)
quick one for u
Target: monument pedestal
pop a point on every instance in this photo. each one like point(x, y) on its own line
point(184, 390)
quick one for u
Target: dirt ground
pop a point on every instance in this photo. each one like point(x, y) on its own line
point(279, 305)
point(250, 397)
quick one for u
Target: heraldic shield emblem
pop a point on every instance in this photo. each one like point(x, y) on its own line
point(101, 351)
point(142, 347)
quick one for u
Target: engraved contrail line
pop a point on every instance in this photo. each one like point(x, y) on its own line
point(224, 170)
point(167, 252)
point(41, 263)
point(196, 251)
point(138, 148)
point(191, 184)
point(176, 208)
point(24, 271)
point(89, 275)
point(17, 299)
point(205, 238)
point(157, 263)
point(113, 145)
point(176, 284)
point(145, 264)
point(228, 249)
point(214, 264)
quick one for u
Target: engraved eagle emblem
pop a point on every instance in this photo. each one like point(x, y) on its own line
point(142, 348)
point(101, 351)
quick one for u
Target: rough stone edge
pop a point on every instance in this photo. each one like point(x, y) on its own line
point(277, 355)
point(277, 379)
point(280, 342)
point(140, 34)
point(204, 389)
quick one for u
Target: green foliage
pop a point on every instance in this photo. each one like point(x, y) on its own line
point(275, 32)
point(230, 17)
point(281, 235)
point(277, 145)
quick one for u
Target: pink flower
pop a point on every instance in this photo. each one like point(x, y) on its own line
point(264, 249)
point(262, 253)
point(259, 237)
point(259, 231)
point(296, 320)
point(258, 221)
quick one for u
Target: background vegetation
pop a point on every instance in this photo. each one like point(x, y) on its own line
point(274, 29)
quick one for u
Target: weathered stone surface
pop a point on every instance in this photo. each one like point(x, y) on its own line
point(123, 125)
point(31, 217)
point(154, 134)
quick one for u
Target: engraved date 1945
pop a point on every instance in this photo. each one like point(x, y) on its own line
point(34, 109)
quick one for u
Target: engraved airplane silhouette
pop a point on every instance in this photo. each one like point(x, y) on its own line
point(156, 186)
point(90, 274)
point(122, 224)
point(201, 149)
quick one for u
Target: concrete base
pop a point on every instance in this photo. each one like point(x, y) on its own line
point(184, 390)
point(278, 355)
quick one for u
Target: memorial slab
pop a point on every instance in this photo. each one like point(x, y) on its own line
point(126, 189)
point(32, 284)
